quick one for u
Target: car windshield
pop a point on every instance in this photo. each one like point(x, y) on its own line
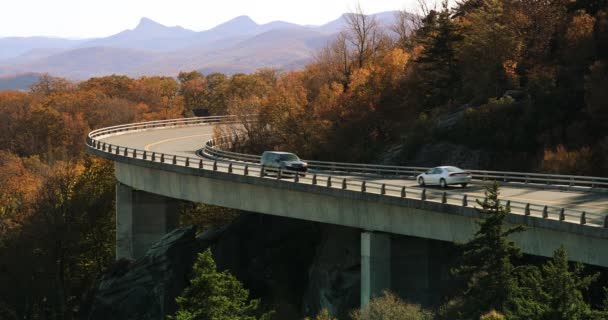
point(453, 169)
point(288, 157)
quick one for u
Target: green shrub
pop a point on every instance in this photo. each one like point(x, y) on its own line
point(323, 315)
point(390, 307)
point(492, 315)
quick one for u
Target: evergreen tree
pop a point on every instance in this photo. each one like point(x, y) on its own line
point(214, 295)
point(553, 293)
point(602, 314)
point(487, 261)
point(439, 35)
point(488, 52)
point(564, 288)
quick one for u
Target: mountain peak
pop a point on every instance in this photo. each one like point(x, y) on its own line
point(237, 24)
point(243, 19)
point(147, 23)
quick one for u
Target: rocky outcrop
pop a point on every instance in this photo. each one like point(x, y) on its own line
point(450, 154)
point(334, 275)
point(444, 153)
point(296, 267)
point(271, 256)
point(146, 288)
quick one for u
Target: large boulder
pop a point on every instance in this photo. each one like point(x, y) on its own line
point(271, 256)
point(146, 288)
point(334, 276)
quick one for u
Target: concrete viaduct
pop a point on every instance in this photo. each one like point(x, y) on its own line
point(157, 162)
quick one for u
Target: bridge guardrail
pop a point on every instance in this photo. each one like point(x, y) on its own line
point(246, 165)
point(409, 171)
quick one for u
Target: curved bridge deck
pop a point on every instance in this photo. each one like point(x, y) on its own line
point(162, 160)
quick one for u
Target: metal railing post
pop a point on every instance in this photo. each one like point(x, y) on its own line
point(125, 152)
point(444, 198)
point(383, 189)
point(230, 167)
point(279, 175)
point(174, 159)
point(187, 161)
point(403, 192)
point(200, 164)
point(262, 173)
point(214, 165)
point(363, 189)
point(423, 195)
point(246, 170)
point(296, 178)
point(545, 212)
point(508, 206)
point(153, 156)
point(329, 182)
point(134, 153)
point(145, 156)
point(562, 215)
point(465, 202)
point(527, 210)
point(344, 185)
point(314, 179)
point(583, 218)
point(162, 158)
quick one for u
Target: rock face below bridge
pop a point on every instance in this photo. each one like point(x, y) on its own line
point(296, 267)
point(146, 289)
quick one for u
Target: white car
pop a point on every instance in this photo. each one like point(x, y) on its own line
point(444, 176)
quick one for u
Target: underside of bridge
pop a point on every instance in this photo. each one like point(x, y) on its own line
point(411, 267)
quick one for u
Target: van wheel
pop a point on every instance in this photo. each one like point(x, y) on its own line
point(443, 184)
point(421, 181)
point(464, 185)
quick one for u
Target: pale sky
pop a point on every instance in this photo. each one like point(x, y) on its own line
point(99, 18)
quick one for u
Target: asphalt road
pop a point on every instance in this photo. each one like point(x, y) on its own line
point(186, 141)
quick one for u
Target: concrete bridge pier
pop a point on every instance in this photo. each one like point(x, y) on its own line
point(375, 265)
point(142, 219)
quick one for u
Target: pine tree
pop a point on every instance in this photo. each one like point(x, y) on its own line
point(439, 36)
point(487, 261)
point(488, 51)
point(602, 314)
point(565, 287)
point(214, 295)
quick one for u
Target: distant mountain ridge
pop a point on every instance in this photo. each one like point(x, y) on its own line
point(237, 45)
point(148, 35)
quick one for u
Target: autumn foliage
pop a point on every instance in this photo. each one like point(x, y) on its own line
point(525, 80)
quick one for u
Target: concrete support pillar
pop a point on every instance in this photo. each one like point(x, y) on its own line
point(141, 220)
point(375, 265)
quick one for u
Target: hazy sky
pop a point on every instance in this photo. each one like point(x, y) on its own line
point(97, 18)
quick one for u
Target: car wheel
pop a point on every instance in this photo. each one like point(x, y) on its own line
point(464, 185)
point(443, 184)
point(421, 181)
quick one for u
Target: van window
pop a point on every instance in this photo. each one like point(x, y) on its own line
point(288, 157)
